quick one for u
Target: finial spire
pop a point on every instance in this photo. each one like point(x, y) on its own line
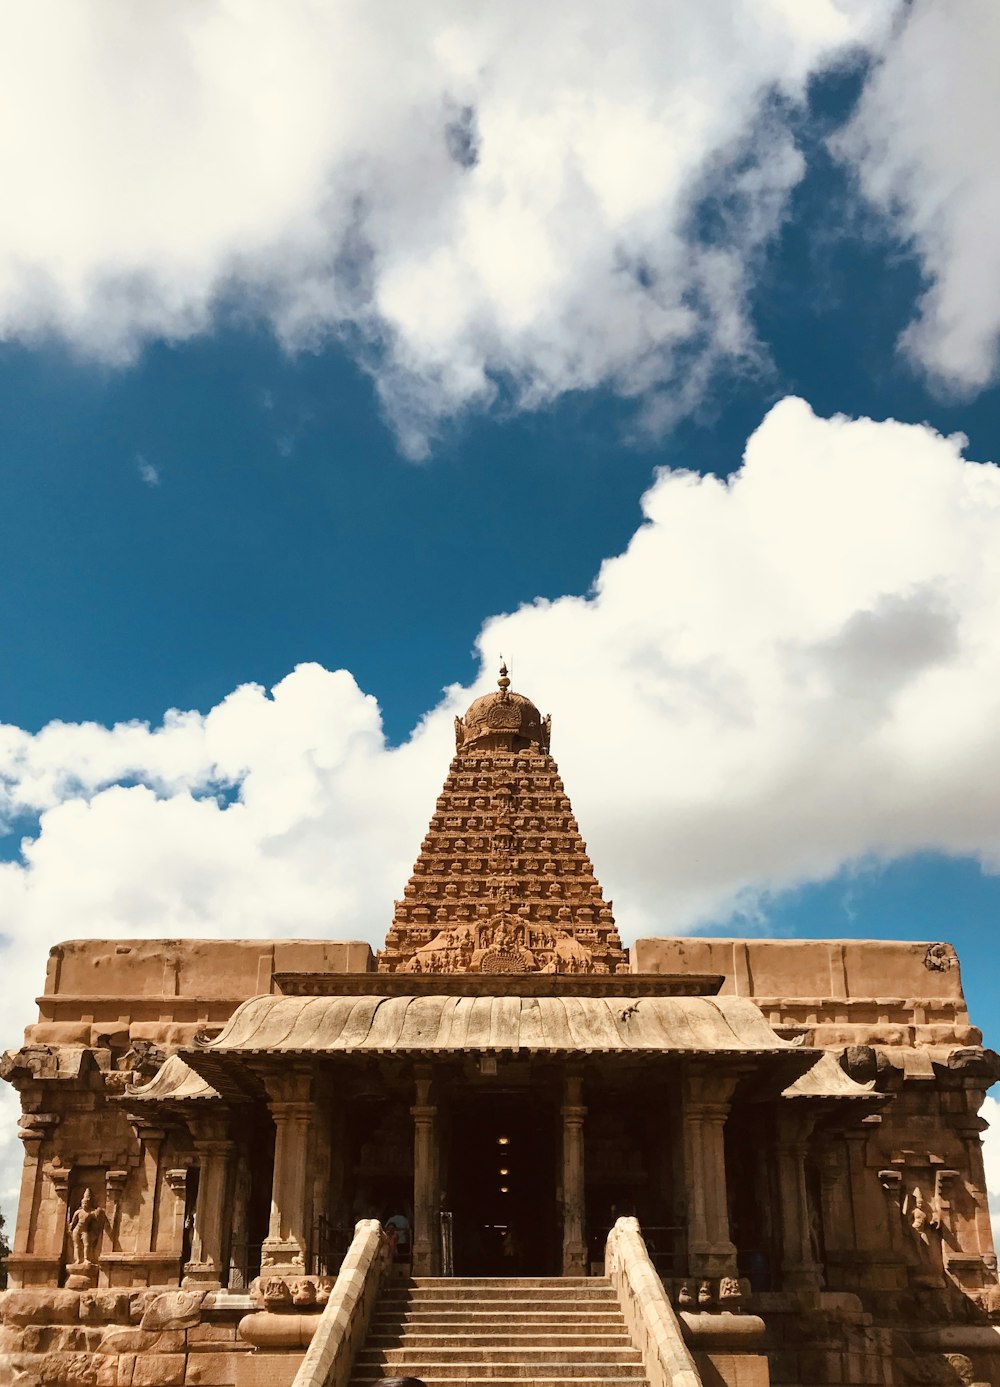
point(503, 682)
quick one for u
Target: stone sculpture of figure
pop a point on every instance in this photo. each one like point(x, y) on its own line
point(918, 1215)
point(84, 1227)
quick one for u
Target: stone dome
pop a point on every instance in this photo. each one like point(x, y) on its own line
point(503, 718)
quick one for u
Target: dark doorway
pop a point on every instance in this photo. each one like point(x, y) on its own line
point(502, 1176)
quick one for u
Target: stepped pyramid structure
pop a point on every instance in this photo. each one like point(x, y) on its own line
point(503, 883)
point(726, 1162)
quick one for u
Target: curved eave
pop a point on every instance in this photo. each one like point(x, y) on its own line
point(825, 1081)
point(429, 1025)
point(175, 1083)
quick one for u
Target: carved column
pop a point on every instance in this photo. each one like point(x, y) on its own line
point(425, 1176)
point(27, 1263)
point(799, 1269)
point(58, 1220)
point(574, 1259)
point(213, 1217)
point(707, 1096)
point(151, 1139)
point(837, 1213)
point(974, 1235)
point(286, 1247)
point(114, 1187)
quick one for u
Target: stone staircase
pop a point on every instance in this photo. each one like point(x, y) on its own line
point(553, 1331)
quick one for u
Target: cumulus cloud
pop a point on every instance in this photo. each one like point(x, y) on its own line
point(926, 144)
point(785, 672)
point(475, 197)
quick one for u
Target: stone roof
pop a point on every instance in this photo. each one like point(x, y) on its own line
point(503, 883)
point(435, 1024)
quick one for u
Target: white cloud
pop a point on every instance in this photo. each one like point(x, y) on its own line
point(926, 144)
point(471, 193)
point(147, 470)
point(785, 672)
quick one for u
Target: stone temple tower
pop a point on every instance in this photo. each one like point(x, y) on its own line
point(503, 883)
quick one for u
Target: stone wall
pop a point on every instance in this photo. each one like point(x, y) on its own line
point(833, 992)
point(101, 992)
point(59, 1338)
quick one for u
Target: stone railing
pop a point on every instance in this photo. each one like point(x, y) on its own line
point(654, 1327)
point(344, 1322)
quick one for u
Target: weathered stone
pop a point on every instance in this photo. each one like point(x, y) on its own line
point(206, 1333)
point(173, 1310)
point(104, 1307)
point(39, 1306)
point(211, 1370)
point(52, 1370)
point(129, 1341)
point(158, 1370)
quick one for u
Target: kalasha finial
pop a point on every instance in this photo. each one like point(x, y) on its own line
point(503, 682)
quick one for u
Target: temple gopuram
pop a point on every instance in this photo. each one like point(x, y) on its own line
point(504, 1146)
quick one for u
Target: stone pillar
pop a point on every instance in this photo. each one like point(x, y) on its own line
point(975, 1235)
point(707, 1095)
point(172, 1224)
point(799, 1269)
point(837, 1213)
point(151, 1139)
point(114, 1187)
point(30, 1261)
point(574, 1257)
point(209, 1264)
point(426, 1240)
point(58, 1220)
point(286, 1247)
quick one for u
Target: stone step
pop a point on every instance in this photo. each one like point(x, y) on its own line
point(554, 1378)
point(500, 1372)
point(511, 1281)
point(508, 1321)
point(501, 1331)
point(490, 1310)
point(473, 1353)
point(447, 1290)
point(485, 1338)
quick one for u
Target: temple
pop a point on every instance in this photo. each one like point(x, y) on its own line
point(764, 1156)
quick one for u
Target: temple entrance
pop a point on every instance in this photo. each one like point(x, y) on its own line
point(502, 1186)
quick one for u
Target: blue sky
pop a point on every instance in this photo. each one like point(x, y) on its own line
point(355, 341)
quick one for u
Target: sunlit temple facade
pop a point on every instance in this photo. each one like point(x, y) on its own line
point(794, 1124)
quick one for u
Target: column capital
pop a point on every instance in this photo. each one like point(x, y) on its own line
point(289, 1085)
point(795, 1128)
point(423, 1078)
point(59, 1175)
point(176, 1179)
point(145, 1131)
point(35, 1126)
point(708, 1087)
point(115, 1181)
point(288, 1111)
point(208, 1126)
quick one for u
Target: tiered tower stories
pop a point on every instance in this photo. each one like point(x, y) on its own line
point(503, 883)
